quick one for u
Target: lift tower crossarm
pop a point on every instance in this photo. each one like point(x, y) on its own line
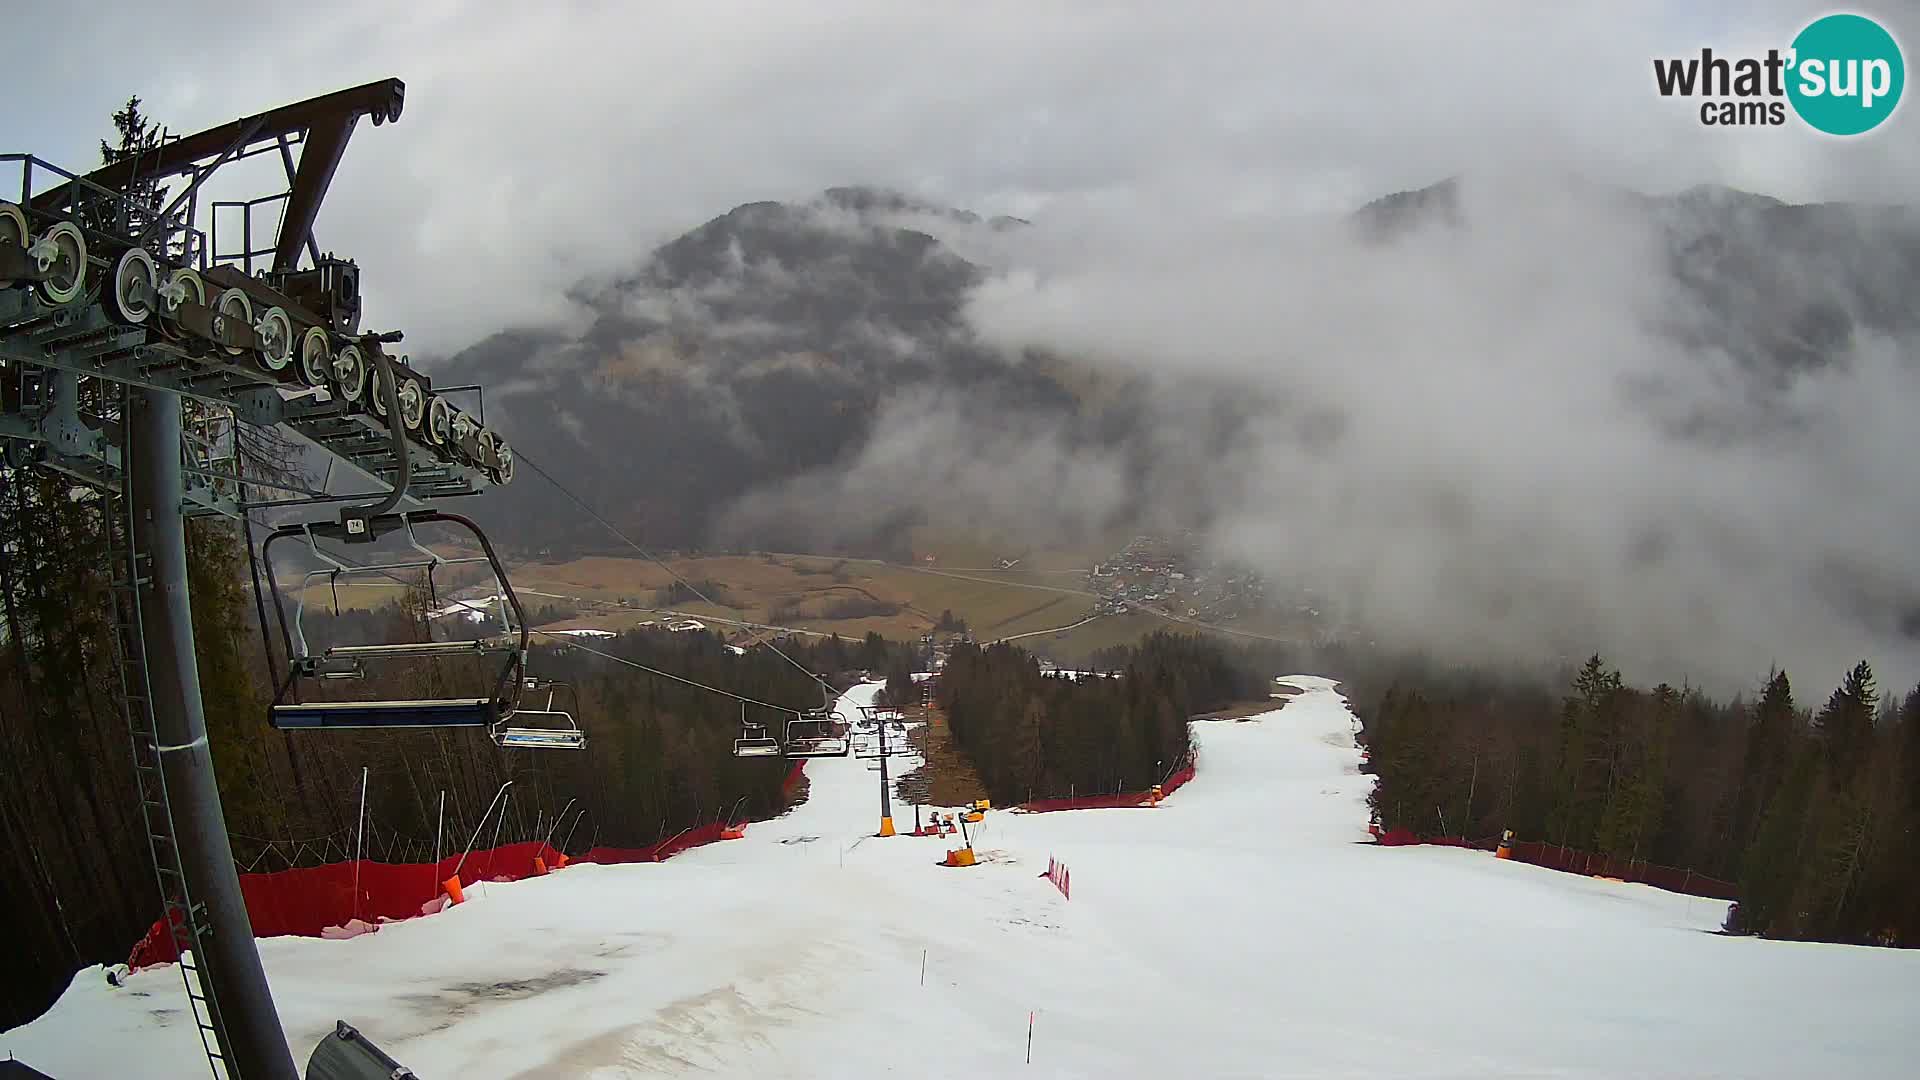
point(324, 122)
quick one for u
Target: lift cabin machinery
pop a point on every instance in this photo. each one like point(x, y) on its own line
point(135, 345)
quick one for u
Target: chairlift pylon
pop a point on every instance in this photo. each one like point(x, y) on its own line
point(494, 710)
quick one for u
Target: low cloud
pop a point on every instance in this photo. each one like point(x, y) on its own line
point(1489, 442)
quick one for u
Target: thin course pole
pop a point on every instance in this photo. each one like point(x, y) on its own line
point(438, 824)
point(359, 841)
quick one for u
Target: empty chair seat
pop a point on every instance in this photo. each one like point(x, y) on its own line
point(756, 747)
point(541, 738)
point(442, 713)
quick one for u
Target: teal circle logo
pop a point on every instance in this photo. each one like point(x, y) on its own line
point(1846, 74)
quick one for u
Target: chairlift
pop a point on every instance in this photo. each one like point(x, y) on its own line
point(815, 733)
point(548, 727)
point(346, 662)
point(754, 740)
point(874, 743)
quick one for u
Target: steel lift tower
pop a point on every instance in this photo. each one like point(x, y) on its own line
point(132, 352)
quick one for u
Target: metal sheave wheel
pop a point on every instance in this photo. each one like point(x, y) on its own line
point(376, 392)
point(465, 443)
point(413, 403)
point(439, 421)
point(350, 373)
point(13, 232)
point(136, 279)
point(183, 287)
point(504, 474)
point(235, 305)
point(62, 254)
point(276, 339)
point(315, 360)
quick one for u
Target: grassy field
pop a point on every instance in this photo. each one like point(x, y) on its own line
point(818, 594)
point(807, 592)
point(1076, 646)
point(985, 552)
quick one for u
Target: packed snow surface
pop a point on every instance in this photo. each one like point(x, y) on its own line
point(1243, 928)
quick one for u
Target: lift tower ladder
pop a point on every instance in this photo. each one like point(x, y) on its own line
point(186, 922)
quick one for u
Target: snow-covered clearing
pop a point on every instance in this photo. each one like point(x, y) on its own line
point(1243, 928)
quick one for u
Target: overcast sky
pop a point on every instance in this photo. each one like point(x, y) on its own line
point(1500, 485)
point(544, 142)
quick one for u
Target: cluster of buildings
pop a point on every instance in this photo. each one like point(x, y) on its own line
point(1163, 575)
point(936, 645)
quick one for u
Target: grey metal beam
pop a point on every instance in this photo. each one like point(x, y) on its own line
point(381, 100)
point(253, 1040)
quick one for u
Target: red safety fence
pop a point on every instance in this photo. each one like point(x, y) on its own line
point(308, 900)
point(1672, 878)
point(1593, 864)
point(1057, 873)
point(1122, 800)
point(1404, 837)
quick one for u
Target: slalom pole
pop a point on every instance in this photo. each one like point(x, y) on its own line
point(359, 841)
point(476, 829)
point(438, 824)
point(493, 846)
point(558, 818)
point(577, 819)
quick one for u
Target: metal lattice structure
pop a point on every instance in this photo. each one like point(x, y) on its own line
point(135, 351)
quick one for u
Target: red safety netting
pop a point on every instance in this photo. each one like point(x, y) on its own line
point(1118, 801)
point(1404, 837)
point(308, 900)
point(665, 849)
point(1574, 861)
point(1671, 878)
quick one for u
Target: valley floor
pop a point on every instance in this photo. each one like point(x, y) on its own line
point(1243, 928)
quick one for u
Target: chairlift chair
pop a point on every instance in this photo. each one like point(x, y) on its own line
point(754, 740)
point(548, 727)
point(345, 662)
point(815, 734)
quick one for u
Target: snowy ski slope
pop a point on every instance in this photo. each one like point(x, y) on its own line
point(1244, 928)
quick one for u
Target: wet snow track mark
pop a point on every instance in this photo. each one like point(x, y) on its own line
point(709, 1031)
point(454, 1003)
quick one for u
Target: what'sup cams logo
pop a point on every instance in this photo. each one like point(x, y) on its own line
point(1842, 75)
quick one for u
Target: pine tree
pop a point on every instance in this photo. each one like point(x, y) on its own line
point(135, 135)
point(1846, 724)
point(1769, 741)
point(1587, 718)
point(1772, 870)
